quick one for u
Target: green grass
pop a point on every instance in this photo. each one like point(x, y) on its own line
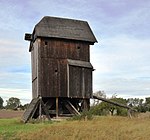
point(10, 127)
point(99, 128)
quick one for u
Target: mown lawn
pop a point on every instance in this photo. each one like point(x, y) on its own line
point(100, 128)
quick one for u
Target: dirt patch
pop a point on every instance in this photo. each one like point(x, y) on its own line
point(5, 114)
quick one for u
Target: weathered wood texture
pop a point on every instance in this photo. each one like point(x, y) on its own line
point(35, 105)
point(71, 108)
point(70, 29)
point(50, 75)
point(61, 68)
point(31, 109)
point(112, 102)
point(34, 62)
point(64, 49)
point(80, 79)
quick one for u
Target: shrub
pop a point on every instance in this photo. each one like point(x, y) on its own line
point(85, 115)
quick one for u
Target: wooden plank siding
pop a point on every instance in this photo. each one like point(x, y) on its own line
point(50, 58)
point(34, 62)
point(64, 49)
point(53, 78)
point(80, 82)
point(61, 68)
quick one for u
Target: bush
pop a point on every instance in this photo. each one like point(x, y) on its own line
point(85, 115)
point(122, 111)
point(105, 108)
point(99, 110)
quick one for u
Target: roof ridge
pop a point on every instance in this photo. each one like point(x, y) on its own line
point(64, 28)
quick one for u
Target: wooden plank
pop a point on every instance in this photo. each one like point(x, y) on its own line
point(85, 105)
point(45, 109)
point(63, 49)
point(83, 83)
point(75, 86)
point(80, 63)
point(71, 108)
point(62, 78)
point(57, 107)
point(88, 83)
point(30, 110)
point(35, 104)
point(68, 81)
point(112, 102)
point(35, 67)
point(39, 74)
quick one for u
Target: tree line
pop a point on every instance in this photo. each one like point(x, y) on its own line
point(12, 103)
point(97, 108)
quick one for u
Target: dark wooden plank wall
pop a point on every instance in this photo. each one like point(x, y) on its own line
point(88, 82)
point(75, 81)
point(34, 89)
point(63, 49)
point(49, 69)
point(34, 62)
point(54, 78)
point(80, 82)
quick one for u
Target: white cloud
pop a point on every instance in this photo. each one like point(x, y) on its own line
point(120, 64)
point(121, 53)
point(24, 95)
point(120, 58)
point(13, 54)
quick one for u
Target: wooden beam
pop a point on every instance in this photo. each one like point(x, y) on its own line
point(83, 83)
point(68, 81)
point(36, 104)
point(30, 111)
point(114, 103)
point(71, 108)
point(28, 37)
point(85, 104)
point(45, 109)
point(57, 107)
point(40, 108)
point(79, 63)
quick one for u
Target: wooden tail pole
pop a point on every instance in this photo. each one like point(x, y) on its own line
point(117, 104)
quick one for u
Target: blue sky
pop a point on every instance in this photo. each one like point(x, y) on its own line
point(121, 56)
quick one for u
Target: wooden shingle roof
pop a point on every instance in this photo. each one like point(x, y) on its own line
point(64, 28)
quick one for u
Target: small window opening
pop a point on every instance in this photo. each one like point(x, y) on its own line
point(56, 70)
point(78, 47)
point(46, 43)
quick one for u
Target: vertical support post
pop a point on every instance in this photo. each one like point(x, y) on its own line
point(68, 82)
point(40, 108)
point(83, 83)
point(129, 113)
point(37, 66)
point(85, 104)
point(57, 107)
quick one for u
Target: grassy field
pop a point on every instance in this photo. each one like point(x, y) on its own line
point(100, 128)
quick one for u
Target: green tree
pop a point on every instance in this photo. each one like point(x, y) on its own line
point(147, 103)
point(120, 110)
point(134, 102)
point(23, 107)
point(147, 100)
point(138, 104)
point(105, 108)
point(13, 103)
point(100, 109)
point(1, 102)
